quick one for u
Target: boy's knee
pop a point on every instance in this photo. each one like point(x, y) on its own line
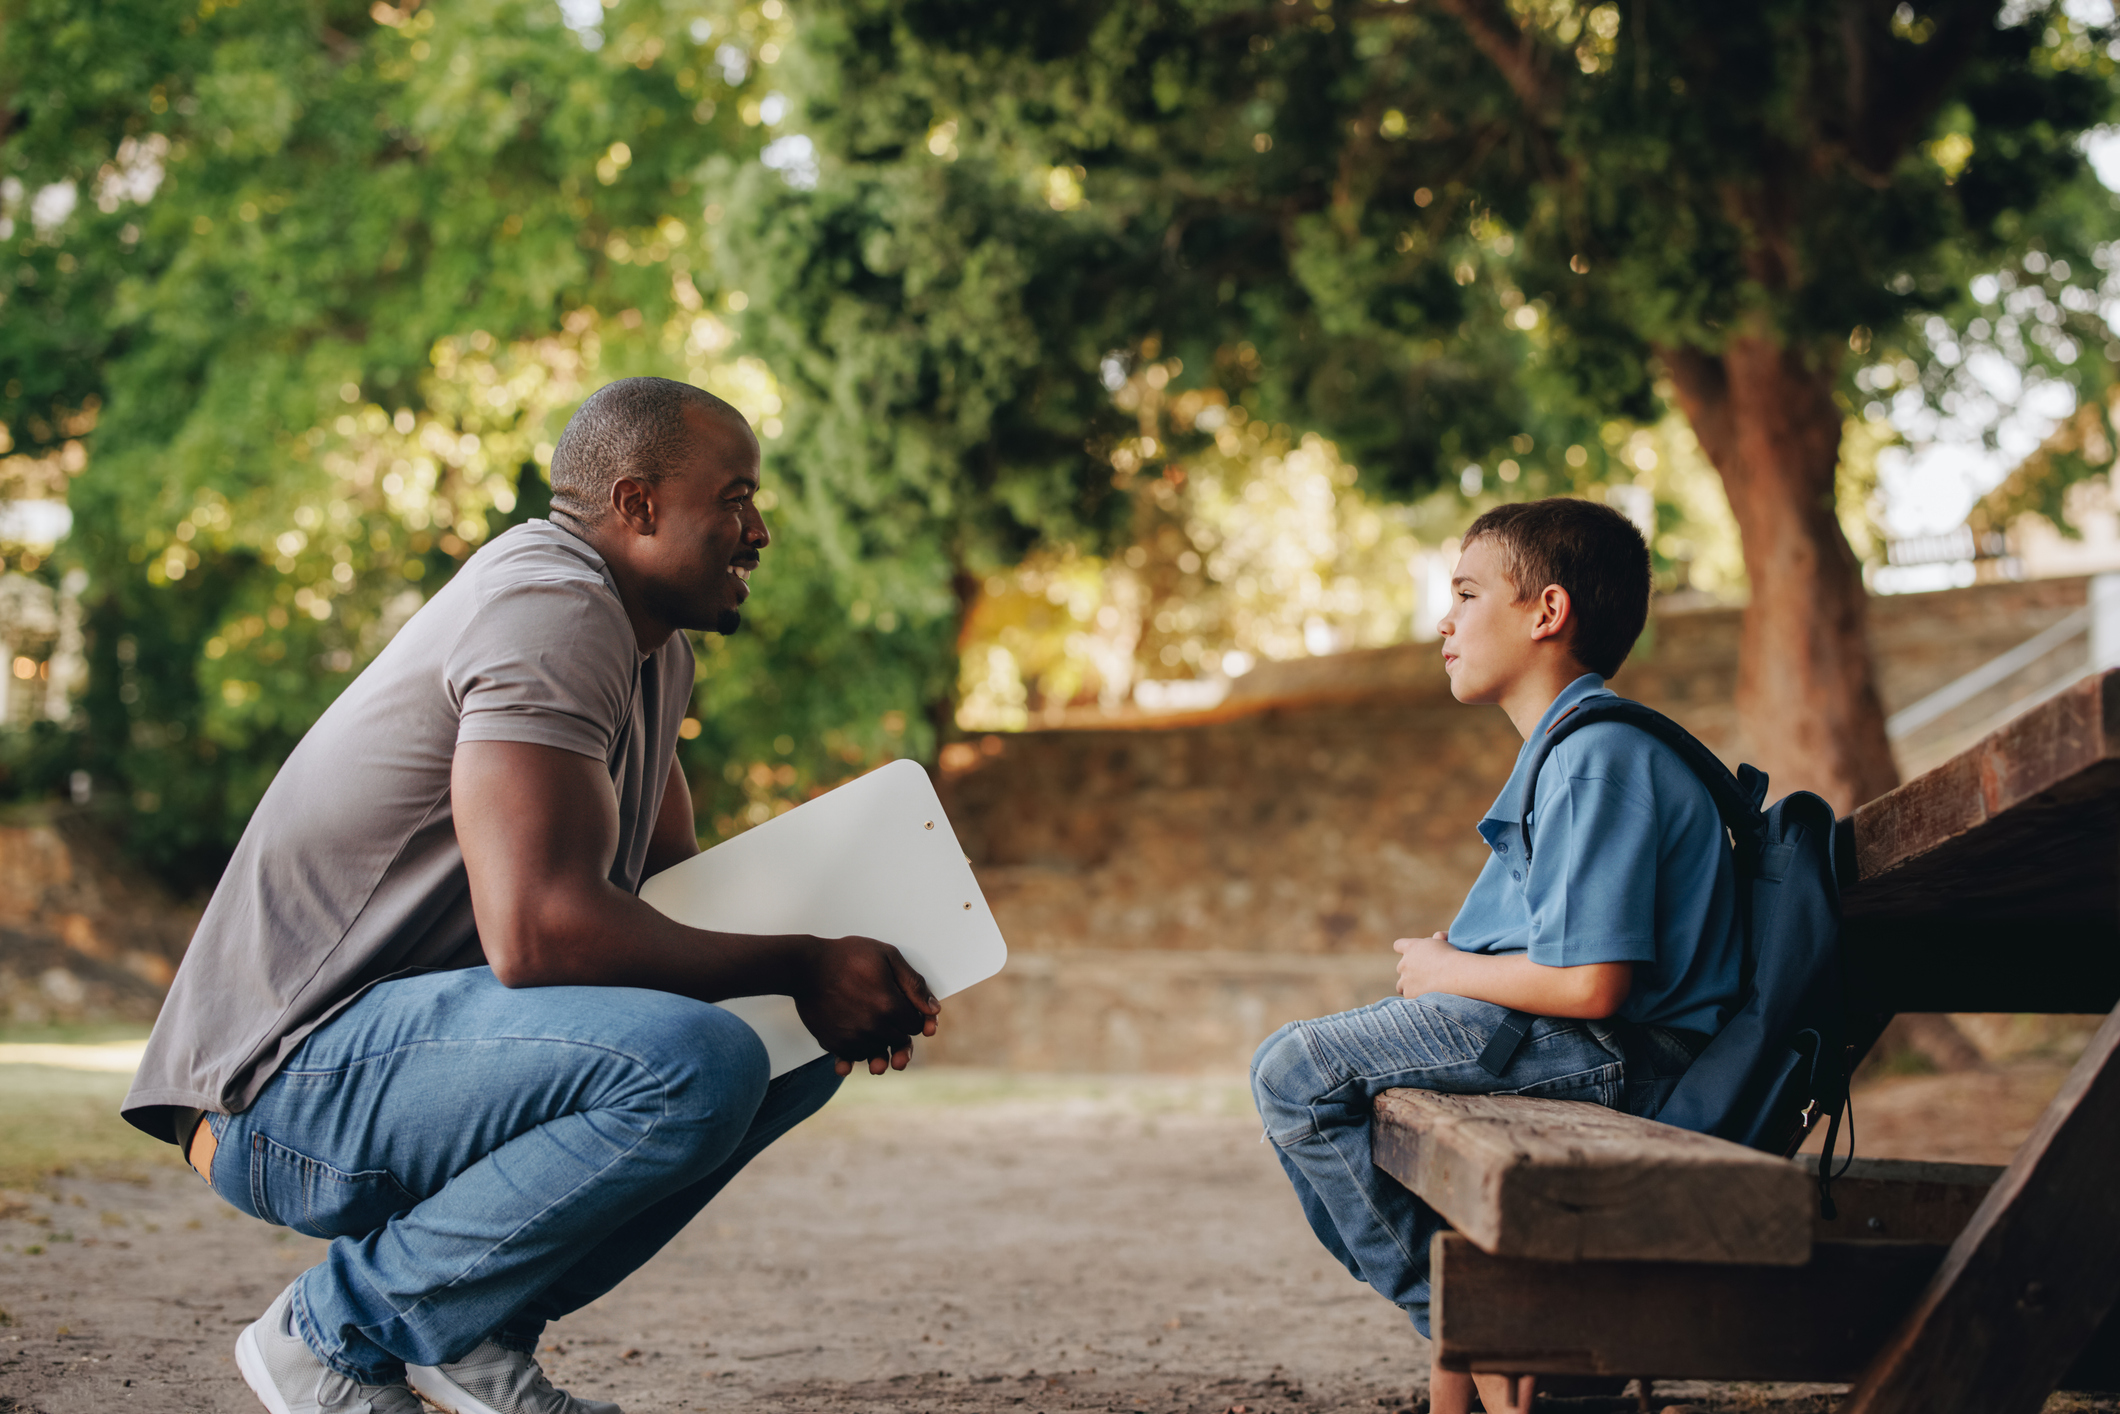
point(1267, 1056)
point(1284, 1078)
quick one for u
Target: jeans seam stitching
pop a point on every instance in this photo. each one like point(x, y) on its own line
point(342, 1068)
point(1362, 1190)
point(1574, 1075)
point(501, 1242)
point(1317, 1057)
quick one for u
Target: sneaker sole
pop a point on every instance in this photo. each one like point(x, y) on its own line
point(447, 1396)
point(251, 1361)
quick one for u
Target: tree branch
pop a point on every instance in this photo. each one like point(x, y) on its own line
point(1510, 49)
point(1891, 93)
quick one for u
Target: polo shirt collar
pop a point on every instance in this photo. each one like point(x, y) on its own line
point(603, 567)
point(1503, 812)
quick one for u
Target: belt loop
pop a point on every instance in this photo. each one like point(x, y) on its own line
point(1502, 1046)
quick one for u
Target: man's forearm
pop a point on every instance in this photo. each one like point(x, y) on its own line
point(605, 937)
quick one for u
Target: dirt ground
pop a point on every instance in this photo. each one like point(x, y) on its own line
point(929, 1242)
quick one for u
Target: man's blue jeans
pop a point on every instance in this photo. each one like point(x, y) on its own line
point(486, 1159)
point(1315, 1081)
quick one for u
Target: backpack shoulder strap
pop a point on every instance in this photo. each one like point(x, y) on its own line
point(1737, 798)
point(1737, 802)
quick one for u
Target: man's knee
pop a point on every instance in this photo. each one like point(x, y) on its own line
point(707, 1066)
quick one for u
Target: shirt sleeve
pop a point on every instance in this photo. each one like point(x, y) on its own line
point(550, 663)
point(1592, 890)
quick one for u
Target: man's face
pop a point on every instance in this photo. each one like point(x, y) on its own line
point(1487, 635)
point(708, 532)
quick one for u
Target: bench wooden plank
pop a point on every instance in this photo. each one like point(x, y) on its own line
point(1567, 1181)
point(2021, 824)
point(1675, 1320)
point(1821, 1321)
point(2032, 1276)
point(1902, 1200)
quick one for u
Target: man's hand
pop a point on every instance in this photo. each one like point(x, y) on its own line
point(863, 1002)
point(1589, 992)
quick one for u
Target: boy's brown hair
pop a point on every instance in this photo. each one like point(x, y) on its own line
point(1594, 553)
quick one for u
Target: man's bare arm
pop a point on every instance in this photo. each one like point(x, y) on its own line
point(1590, 992)
point(539, 830)
point(676, 835)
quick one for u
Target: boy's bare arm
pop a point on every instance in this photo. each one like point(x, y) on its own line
point(1590, 992)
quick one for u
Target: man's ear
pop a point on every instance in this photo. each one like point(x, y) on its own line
point(633, 503)
point(1555, 615)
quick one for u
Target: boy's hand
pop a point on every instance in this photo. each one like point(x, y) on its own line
point(1421, 962)
point(1588, 991)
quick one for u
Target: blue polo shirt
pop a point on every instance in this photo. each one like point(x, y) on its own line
point(1629, 864)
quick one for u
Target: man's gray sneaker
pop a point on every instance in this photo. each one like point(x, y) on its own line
point(492, 1380)
point(288, 1379)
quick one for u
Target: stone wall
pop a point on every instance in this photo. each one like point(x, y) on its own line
point(1173, 890)
point(82, 938)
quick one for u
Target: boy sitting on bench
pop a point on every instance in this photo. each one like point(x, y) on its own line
point(1621, 937)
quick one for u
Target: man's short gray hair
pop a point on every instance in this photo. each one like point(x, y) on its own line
point(633, 427)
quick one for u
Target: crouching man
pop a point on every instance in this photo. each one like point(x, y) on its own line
point(1620, 934)
point(425, 1014)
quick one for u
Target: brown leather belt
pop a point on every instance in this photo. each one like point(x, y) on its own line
point(199, 1151)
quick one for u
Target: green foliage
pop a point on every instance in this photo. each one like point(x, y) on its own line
point(334, 277)
point(329, 288)
point(1114, 149)
point(1443, 237)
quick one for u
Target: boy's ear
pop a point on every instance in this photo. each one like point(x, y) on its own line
point(1554, 616)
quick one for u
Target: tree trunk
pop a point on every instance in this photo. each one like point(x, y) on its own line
point(941, 712)
point(1807, 707)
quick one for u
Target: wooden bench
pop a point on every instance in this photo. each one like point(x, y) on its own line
point(1594, 1243)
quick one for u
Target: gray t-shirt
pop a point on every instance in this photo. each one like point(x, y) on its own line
point(349, 872)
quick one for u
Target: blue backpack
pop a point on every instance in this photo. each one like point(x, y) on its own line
point(1778, 1066)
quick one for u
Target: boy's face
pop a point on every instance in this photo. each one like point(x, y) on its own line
point(1490, 642)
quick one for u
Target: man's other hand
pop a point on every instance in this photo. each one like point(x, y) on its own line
point(864, 1002)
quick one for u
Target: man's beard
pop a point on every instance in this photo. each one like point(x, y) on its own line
point(730, 621)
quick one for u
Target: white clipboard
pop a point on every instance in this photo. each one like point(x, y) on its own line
point(874, 858)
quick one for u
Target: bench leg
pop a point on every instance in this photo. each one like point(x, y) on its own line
point(2030, 1279)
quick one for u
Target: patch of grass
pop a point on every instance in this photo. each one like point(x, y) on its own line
point(54, 1120)
point(71, 1034)
point(58, 1120)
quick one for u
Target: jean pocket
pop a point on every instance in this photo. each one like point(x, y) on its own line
point(317, 1200)
point(1599, 1084)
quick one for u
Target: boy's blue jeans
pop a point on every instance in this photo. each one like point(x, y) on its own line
point(486, 1159)
point(1315, 1082)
